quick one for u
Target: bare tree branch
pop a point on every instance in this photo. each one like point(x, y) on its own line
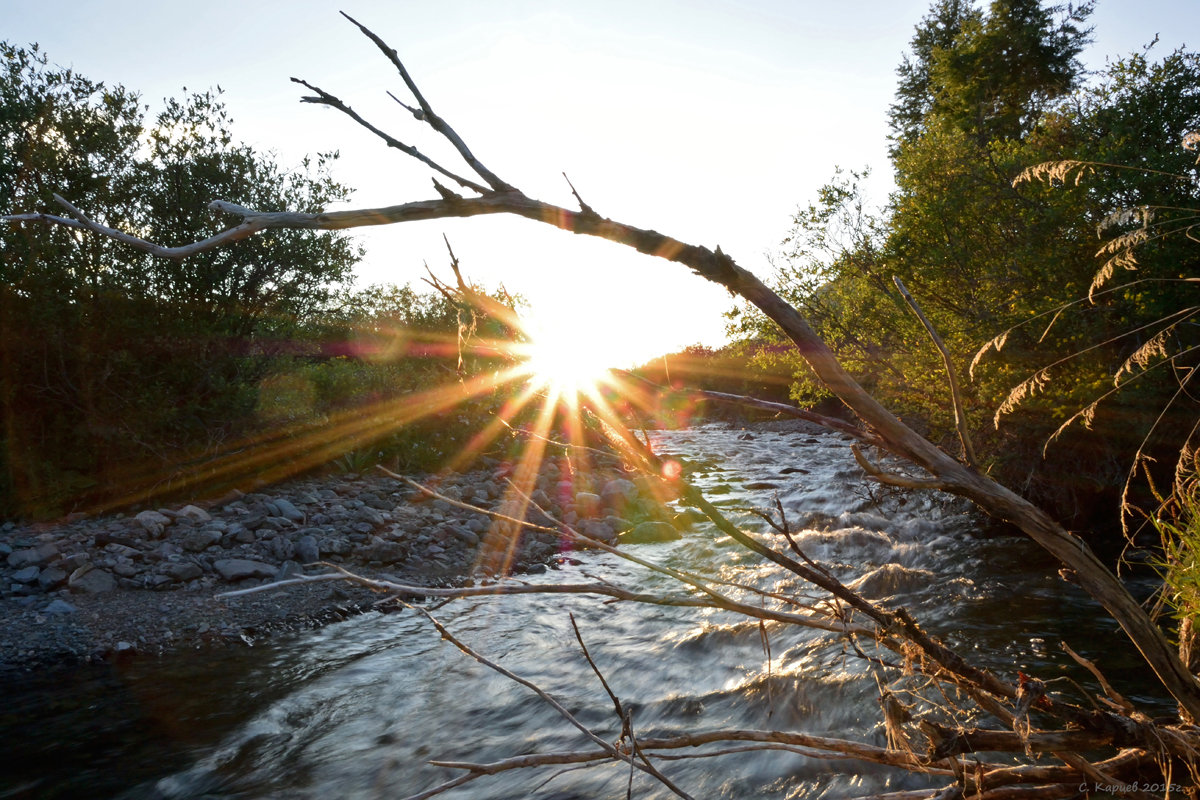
point(783, 409)
point(960, 416)
point(324, 98)
point(611, 750)
point(427, 114)
point(892, 434)
point(893, 479)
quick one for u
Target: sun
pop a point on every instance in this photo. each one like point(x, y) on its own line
point(565, 365)
point(567, 362)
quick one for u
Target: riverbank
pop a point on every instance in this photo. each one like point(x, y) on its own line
point(147, 583)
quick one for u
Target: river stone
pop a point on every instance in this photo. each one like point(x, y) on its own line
point(307, 550)
point(196, 541)
point(182, 570)
point(288, 511)
point(618, 524)
point(651, 531)
point(370, 516)
point(88, 580)
point(236, 569)
point(51, 578)
point(153, 523)
point(33, 556)
point(194, 513)
point(597, 529)
point(375, 501)
point(587, 504)
point(26, 574)
point(282, 548)
point(619, 490)
point(466, 536)
point(59, 606)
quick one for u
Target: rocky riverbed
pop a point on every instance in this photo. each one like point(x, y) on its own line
point(146, 582)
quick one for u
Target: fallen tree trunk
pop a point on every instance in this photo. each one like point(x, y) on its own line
point(496, 196)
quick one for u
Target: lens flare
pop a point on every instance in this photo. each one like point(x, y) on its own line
point(566, 363)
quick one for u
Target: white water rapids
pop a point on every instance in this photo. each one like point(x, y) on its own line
point(358, 708)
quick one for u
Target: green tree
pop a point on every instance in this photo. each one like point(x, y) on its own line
point(990, 75)
point(982, 97)
point(111, 359)
point(915, 92)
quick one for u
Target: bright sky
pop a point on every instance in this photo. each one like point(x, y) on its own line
point(709, 120)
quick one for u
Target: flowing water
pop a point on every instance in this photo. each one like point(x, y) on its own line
point(357, 709)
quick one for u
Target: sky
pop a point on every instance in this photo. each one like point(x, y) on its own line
point(709, 120)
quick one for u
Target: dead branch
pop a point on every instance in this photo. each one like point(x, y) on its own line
point(889, 627)
point(1117, 698)
point(611, 750)
point(960, 416)
point(830, 423)
point(898, 438)
point(427, 115)
point(892, 478)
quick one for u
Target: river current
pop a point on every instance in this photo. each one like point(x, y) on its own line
point(358, 709)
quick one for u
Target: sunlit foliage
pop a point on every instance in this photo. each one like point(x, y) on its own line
point(985, 95)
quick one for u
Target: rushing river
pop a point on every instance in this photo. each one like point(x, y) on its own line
point(357, 709)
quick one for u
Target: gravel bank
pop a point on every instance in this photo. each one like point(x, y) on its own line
point(146, 583)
